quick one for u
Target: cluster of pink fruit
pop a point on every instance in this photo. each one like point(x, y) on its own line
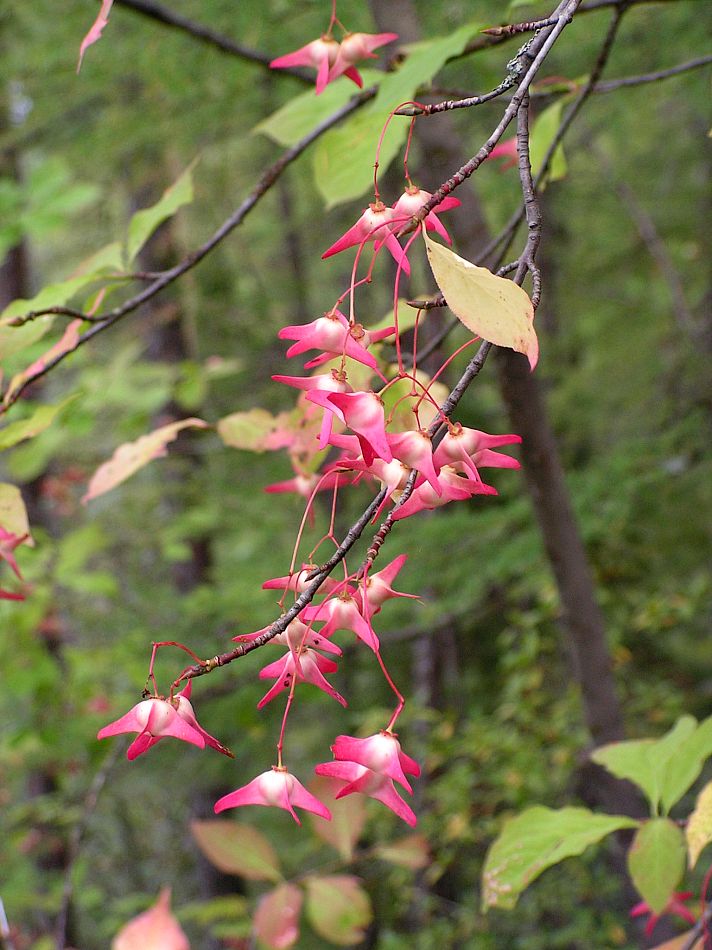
point(383, 436)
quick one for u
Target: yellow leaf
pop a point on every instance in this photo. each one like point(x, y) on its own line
point(132, 456)
point(491, 307)
point(678, 943)
point(13, 514)
point(699, 827)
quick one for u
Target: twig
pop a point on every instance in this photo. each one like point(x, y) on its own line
point(515, 28)
point(610, 85)
point(57, 311)
point(157, 11)
point(656, 76)
point(105, 320)
point(506, 236)
point(527, 261)
point(306, 597)
point(700, 930)
point(588, 6)
point(437, 301)
point(563, 14)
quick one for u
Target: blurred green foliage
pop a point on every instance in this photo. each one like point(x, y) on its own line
point(181, 550)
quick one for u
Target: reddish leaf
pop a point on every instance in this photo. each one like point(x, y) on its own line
point(65, 344)
point(237, 849)
point(338, 908)
point(276, 921)
point(348, 816)
point(96, 30)
point(411, 852)
point(154, 929)
point(132, 456)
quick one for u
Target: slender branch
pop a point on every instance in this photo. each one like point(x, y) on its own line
point(281, 624)
point(612, 84)
point(57, 311)
point(105, 320)
point(506, 235)
point(540, 50)
point(527, 261)
point(205, 34)
point(588, 6)
point(700, 930)
point(515, 28)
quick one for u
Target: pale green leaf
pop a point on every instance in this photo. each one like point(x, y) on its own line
point(338, 908)
point(276, 920)
point(292, 121)
point(237, 849)
point(41, 419)
point(15, 339)
point(542, 135)
point(663, 768)
point(698, 830)
point(144, 222)
point(656, 861)
point(132, 456)
point(252, 431)
point(344, 156)
point(684, 764)
point(13, 514)
point(108, 259)
point(535, 840)
point(490, 307)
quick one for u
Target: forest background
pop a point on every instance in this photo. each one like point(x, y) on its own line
point(180, 551)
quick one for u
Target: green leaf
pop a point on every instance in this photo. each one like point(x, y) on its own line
point(237, 849)
point(252, 431)
point(698, 831)
point(656, 861)
point(411, 852)
point(663, 768)
point(41, 419)
point(15, 339)
point(348, 816)
point(542, 135)
point(205, 913)
point(13, 514)
point(344, 156)
point(276, 920)
point(534, 841)
point(132, 456)
point(685, 762)
point(491, 307)
point(304, 112)
point(144, 222)
point(338, 908)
